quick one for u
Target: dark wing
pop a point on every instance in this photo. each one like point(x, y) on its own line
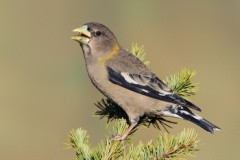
point(149, 86)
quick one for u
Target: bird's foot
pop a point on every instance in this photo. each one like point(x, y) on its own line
point(117, 137)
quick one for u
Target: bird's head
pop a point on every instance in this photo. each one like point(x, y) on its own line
point(95, 39)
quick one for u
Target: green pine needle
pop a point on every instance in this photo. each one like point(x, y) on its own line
point(139, 52)
point(181, 84)
point(166, 147)
point(79, 141)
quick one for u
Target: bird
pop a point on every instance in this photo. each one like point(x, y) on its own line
point(127, 81)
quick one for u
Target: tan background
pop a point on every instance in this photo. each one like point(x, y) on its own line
point(45, 91)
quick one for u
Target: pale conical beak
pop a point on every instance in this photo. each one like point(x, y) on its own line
point(83, 35)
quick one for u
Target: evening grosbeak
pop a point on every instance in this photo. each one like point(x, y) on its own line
point(126, 80)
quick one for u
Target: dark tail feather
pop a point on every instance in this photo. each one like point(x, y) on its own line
point(190, 116)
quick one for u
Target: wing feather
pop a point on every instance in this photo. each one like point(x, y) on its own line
point(150, 86)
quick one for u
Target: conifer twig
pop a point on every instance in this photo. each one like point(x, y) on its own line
point(180, 83)
point(166, 147)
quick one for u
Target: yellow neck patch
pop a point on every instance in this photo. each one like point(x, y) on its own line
point(112, 53)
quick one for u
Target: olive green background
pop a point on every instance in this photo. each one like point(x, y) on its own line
point(45, 90)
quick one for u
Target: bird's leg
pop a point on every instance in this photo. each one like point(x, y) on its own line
point(118, 137)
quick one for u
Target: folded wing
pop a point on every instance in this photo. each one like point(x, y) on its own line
point(148, 85)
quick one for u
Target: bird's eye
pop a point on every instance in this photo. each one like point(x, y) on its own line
point(98, 33)
point(88, 29)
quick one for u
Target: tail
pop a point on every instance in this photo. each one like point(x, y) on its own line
point(187, 114)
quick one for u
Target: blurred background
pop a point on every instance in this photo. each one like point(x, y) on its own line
point(45, 90)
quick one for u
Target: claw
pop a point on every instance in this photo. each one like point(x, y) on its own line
point(118, 137)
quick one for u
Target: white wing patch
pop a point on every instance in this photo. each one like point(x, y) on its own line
point(170, 114)
point(197, 117)
point(193, 115)
point(132, 81)
point(161, 93)
point(128, 78)
point(144, 90)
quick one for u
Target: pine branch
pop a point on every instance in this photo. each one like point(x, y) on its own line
point(78, 140)
point(181, 84)
point(165, 147)
point(139, 52)
point(108, 149)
